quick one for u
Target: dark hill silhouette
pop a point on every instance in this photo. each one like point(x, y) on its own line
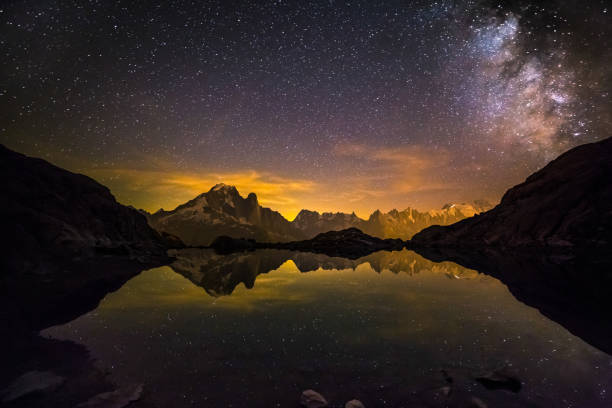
point(568, 203)
point(52, 215)
point(349, 243)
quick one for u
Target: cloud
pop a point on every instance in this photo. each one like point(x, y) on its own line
point(397, 170)
point(365, 178)
point(151, 189)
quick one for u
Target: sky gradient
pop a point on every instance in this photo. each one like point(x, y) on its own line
point(325, 105)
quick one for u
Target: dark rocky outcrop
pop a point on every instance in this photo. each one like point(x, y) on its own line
point(502, 379)
point(349, 243)
point(51, 215)
point(227, 245)
point(568, 203)
point(312, 399)
point(66, 244)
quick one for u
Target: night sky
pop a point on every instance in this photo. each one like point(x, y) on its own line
point(325, 105)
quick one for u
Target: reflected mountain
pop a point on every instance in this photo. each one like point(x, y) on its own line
point(555, 286)
point(574, 291)
point(220, 274)
point(413, 308)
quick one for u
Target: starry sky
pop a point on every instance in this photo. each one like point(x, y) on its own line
point(326, 105)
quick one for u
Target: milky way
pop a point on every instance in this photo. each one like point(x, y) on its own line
point(324, 105)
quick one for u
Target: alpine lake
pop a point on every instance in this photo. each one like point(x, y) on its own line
point(391, 329)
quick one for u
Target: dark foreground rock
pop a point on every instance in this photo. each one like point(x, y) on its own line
point(31, 382)
point(354, 404)
point(566, 204)
point(501, 379)
point(312, 399)
point(349, 243)
point(227, 245)
point(118, 398)
point(51, 215)
point(66, 244)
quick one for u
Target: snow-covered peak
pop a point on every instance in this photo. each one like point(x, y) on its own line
point(222, 186)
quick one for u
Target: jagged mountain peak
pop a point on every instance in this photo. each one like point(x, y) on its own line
point(223, 211)
point(224, 188)
point(252, 197)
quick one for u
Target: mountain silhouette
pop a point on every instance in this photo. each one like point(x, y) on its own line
point(568, 203)
point(52, 215)
point(350, 243)
point(222, 211)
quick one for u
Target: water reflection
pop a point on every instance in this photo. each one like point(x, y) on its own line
point(573, 289)
point(391, 329)
point(220, 274)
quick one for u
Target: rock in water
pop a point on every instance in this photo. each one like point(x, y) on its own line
point(114, 399)
point(312, 399)
point(476, 402)
point(500, 379)
point(32, 381)
point(354, 404)
point(349, 243)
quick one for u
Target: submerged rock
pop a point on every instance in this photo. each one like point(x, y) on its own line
point(500, 380)
point(476, 402)
point(436, 396)
point(114, 399)
point(354, 404)
point(32, 381)
point(312, 399)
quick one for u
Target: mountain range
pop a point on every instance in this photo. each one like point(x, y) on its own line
point(222, 211)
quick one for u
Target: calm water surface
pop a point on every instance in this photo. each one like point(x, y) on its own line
point(255, 329)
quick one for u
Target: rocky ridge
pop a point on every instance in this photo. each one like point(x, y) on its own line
point(566, 204)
